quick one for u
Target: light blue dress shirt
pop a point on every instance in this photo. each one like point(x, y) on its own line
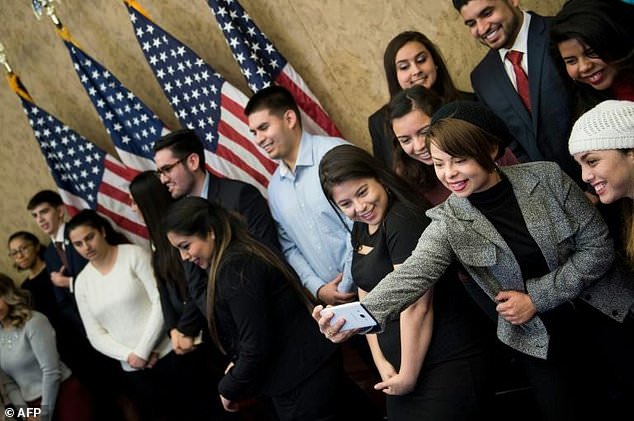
point(312, 234)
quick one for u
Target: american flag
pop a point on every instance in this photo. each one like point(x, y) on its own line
point(132, 126)
point(262, 64)
point(204, 102)
point(86, 176)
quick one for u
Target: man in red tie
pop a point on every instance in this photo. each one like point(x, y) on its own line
point(518, 79)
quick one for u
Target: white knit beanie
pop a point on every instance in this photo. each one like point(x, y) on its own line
point(609, 125)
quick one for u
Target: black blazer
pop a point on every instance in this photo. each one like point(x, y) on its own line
point(543, 133)
point(382, 134)
point(246, 200)
point(262, 323)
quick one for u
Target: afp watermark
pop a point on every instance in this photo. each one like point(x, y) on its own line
point(22, 412)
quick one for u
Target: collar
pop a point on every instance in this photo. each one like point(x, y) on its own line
point(304, 155)
point(204, 193)
point(521, 40)
point(59, 235)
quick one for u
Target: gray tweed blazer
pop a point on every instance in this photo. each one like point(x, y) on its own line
point(568, 229)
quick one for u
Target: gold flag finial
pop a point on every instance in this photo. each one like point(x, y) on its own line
point(41, 7)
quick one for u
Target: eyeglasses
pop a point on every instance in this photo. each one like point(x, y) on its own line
point(19, 250)
point(166, 169)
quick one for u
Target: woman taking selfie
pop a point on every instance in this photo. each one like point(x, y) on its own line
point(528, 238)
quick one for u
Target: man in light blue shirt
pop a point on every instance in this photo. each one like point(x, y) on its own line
point(313, 235)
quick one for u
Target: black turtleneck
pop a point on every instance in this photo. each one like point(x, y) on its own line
point(499, 205)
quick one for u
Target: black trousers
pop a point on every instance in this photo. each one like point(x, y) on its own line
point(176, 388)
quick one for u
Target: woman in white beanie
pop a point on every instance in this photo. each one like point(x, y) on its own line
point(602, 142)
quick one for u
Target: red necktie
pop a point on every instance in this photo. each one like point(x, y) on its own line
point(62, 254)
point(515, 57)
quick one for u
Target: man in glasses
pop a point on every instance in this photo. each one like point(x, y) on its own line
point(180, 165)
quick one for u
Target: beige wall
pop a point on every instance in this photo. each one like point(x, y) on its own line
point(336, 45)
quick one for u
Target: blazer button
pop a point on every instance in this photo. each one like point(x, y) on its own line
point(615, 313)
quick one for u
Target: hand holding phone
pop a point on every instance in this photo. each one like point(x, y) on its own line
point(355, 315)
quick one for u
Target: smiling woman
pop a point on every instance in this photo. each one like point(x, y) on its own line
point(595, 40)
point(410, 59)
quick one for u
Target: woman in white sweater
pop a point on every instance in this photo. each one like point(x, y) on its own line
point(31, 373)
point(119, 305)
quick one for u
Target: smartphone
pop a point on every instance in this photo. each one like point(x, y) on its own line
point(355, 315)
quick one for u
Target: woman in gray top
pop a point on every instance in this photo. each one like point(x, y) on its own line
point(32, 374)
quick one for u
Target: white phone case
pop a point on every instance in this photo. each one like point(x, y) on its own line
point(355, 315)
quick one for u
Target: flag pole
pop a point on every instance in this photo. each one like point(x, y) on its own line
point(12, 79)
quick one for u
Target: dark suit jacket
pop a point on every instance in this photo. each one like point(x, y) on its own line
point(246, 200)
point(382, 134)
point(543, 133)
point(65, 299)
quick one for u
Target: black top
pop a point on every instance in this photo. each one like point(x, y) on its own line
point(499, 205)
point(274, 342)
point(392, 244)
point(458, 324)
point(179, 311)
point(43, 296)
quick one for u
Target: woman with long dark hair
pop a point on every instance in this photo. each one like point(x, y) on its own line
point(257, 314)
point(410, 59)
point(151, 200)
point(199, 364)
